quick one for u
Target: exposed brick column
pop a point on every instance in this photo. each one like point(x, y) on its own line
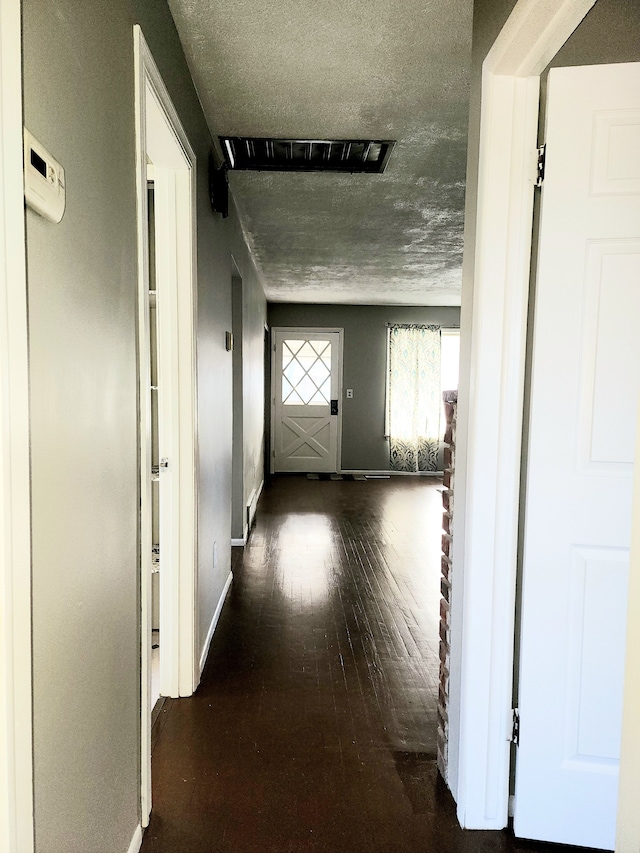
point(450, 405)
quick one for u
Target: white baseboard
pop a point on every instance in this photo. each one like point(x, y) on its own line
point(214, 621)
point(250, 507)
point(366, 471)
point(136, 841)
point(252, 504)
point(250, 513)
point(250, 510)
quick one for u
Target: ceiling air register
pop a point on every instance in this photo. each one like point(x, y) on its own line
point(306, 155)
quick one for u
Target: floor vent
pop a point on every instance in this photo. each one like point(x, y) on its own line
point(306, 155)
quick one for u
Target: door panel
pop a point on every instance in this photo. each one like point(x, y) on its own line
point(585, 383)
point(307, 378)
point(596, 635)
point(612, 308)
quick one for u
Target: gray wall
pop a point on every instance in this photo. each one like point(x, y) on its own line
point(81, 304)
point(79, 101)
point(365, 335)
point(248, 400)
point(253, 389)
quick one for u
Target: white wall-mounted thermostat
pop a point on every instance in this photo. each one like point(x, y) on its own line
point(44, 185)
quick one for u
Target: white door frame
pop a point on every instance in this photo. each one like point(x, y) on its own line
point(480, 735)
point(16, 737)
point(304, 330)
point(175, 175)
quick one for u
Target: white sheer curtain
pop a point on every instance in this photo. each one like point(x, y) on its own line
point(413, 397)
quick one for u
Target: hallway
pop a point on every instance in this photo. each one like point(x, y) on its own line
point(314, 726)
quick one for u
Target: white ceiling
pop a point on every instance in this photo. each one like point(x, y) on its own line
point(344, 69)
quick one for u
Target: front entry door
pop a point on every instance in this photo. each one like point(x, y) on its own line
point(584, 395)
point(307, 377)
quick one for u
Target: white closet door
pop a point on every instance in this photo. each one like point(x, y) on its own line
point(584, 396)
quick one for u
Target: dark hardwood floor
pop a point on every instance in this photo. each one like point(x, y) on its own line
point(314, 726)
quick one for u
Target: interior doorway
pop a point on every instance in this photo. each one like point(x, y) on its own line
point(238, 510)
point(167, 391)
point(156, 698)
point(483, 619)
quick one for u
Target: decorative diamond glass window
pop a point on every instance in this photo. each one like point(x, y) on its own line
point(306, 373)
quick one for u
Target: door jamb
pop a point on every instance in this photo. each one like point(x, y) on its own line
point(480, 735)
point(303, 330)
point(179, 593)
point(16, 695)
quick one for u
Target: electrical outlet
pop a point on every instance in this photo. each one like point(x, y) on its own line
point(215, 554)
point(349, 393)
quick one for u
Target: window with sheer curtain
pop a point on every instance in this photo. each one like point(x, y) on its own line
point(413, 397)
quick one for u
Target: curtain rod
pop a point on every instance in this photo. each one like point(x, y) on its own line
point(414, 325)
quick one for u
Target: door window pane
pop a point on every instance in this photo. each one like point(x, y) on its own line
point(306, 373)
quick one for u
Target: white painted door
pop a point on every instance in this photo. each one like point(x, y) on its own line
point(584, 395)
point(307, 372)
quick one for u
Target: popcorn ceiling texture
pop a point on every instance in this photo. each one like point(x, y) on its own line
point(335, 69)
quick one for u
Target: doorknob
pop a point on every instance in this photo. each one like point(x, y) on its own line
point(164, 463)
point(334, 407)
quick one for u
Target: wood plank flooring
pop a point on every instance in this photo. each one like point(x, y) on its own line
point(314, 727)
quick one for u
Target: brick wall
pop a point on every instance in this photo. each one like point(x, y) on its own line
point(450, 404)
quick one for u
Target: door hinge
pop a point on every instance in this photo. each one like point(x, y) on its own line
point(273, 453)
point(515, 726)
point(542, 158)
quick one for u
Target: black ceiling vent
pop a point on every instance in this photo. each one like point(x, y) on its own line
point(306, 155)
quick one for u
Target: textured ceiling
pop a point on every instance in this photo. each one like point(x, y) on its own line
point(344, 69)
